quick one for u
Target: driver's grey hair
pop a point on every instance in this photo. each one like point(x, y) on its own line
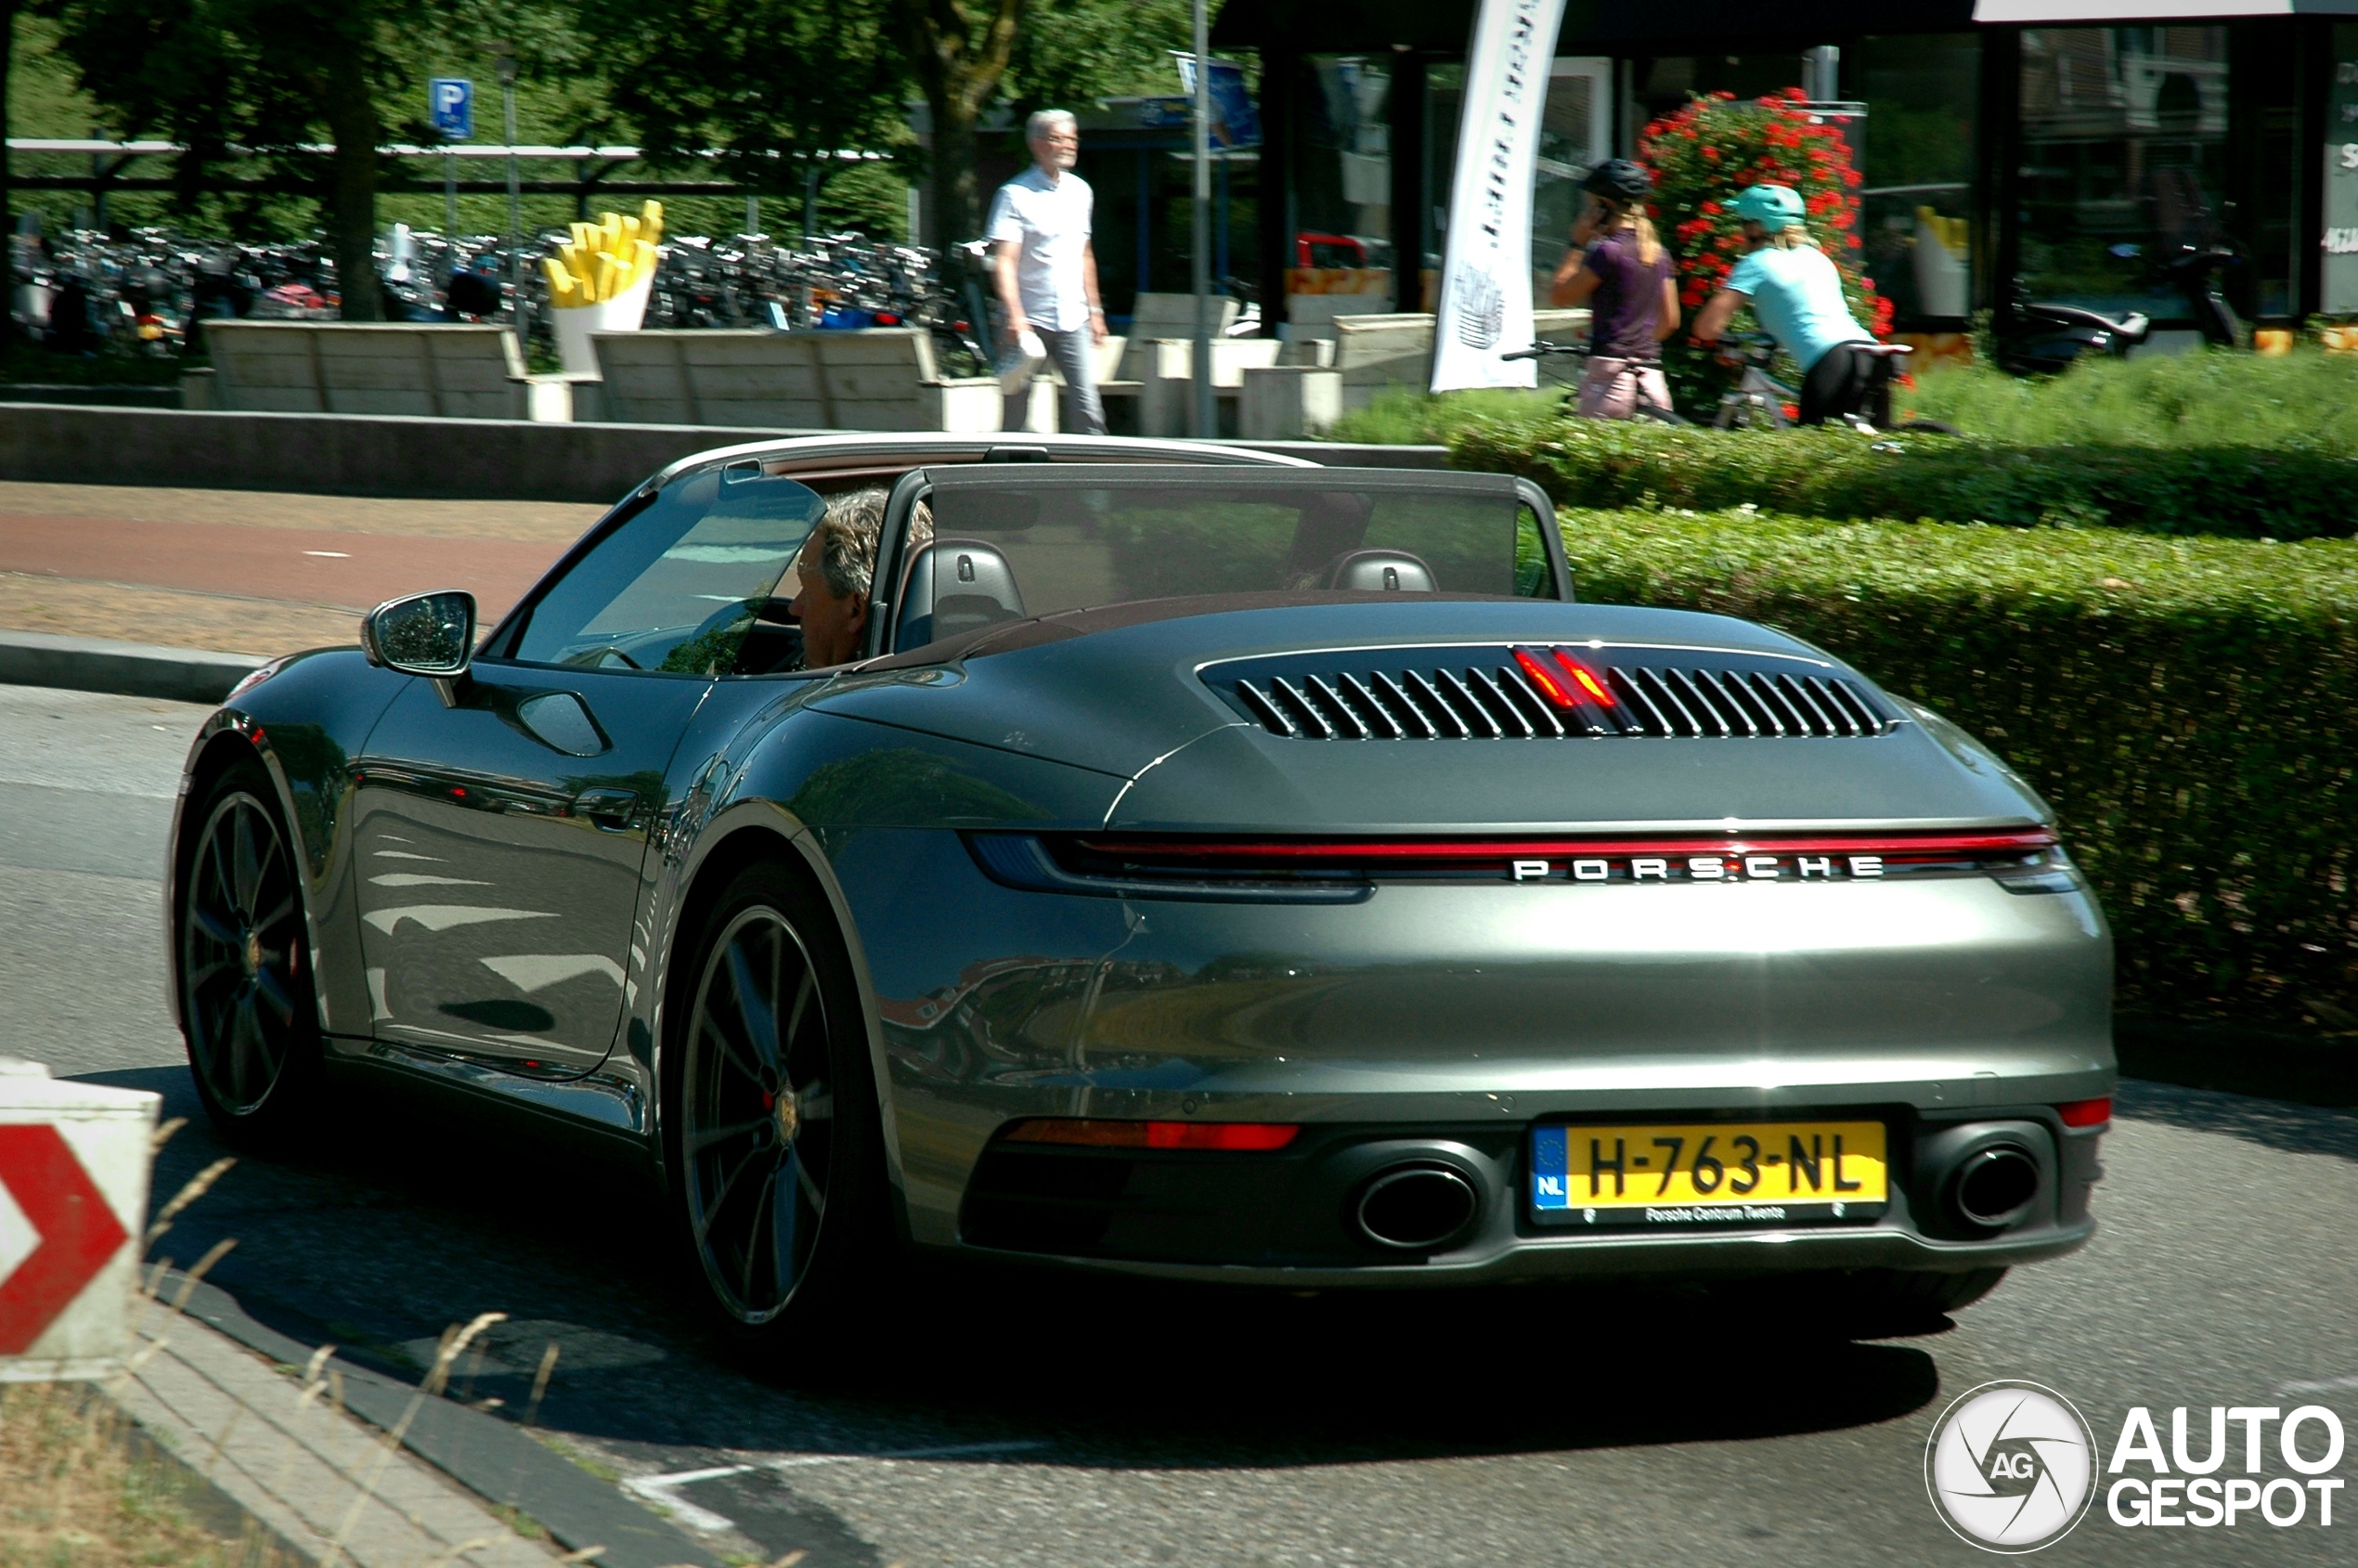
point(849, 533)
point(1047, 120)
point(846, 535)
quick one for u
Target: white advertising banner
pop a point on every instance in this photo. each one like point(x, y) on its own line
point(1485, 272)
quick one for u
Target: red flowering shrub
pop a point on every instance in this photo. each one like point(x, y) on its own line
point(1701, 157)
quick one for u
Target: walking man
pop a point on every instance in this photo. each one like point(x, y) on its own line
point(1046, 271)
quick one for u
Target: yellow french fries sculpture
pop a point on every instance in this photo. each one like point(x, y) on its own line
point(604, 260)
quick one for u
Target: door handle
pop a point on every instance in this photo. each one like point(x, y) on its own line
point(611, 810)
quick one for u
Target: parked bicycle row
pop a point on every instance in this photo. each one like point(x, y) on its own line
point(149, 291)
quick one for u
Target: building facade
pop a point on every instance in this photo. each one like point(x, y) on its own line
point(2009, 148)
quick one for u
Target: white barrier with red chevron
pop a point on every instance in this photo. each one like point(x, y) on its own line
point(74, 1160)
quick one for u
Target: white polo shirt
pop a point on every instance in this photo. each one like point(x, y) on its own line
point(1050, 224)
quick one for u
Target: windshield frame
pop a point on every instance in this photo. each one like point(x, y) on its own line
point(919, 484)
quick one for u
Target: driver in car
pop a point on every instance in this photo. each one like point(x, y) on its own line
point(836, 573)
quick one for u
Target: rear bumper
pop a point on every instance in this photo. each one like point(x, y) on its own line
point(1291, 1218)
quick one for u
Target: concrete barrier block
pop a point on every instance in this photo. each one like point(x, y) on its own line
point(1289, 402)
point(74, 1160)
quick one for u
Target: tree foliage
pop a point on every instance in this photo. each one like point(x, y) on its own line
point(265, 74)
point(958, 52)
point(773, 85)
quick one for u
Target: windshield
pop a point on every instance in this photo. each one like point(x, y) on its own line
point(678, 586)
point(1071, 541)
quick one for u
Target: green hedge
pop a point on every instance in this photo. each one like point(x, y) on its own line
point(2244, 491)
point(2185, 705)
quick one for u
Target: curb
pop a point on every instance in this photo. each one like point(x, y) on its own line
point(130, 670)
point(493, 1458)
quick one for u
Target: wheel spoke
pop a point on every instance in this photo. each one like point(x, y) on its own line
point(754, 1236)
point(267, 987)
point(245, 859)
point(205, 973)
point(758, 1012)
point(225, 880)
point(279, 912)
point(243, 1026)
point(213, 927)
point(811, 1190)
point(730, 1048)
point(720, 1198)
point(707, 1138)
point(815, 1103)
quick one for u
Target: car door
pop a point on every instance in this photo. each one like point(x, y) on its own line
point(500, 839)
point(503, 819)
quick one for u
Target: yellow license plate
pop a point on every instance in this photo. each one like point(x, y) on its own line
point(1709, 1174)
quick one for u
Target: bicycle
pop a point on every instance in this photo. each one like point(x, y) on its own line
point(1543, 349)
point(1759, 400)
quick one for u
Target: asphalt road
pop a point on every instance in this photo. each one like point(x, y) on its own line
point(1016, 1420)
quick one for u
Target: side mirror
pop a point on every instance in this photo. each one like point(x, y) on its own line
point(430, 634)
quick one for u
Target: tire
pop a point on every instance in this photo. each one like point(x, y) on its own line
point(242, 964)
point(771, 1136)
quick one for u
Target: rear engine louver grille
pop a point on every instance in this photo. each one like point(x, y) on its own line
point(1538, 693)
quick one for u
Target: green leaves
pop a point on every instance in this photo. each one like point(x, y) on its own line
point(2184, 703)
point(2253, 492)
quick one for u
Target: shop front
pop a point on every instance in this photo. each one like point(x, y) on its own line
point(2052, 149)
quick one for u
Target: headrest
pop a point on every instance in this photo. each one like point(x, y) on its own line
point(1381, 571)
point(956, 585)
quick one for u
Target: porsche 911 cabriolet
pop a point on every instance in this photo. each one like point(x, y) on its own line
point(1208, 866)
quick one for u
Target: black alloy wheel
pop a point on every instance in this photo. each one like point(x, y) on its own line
point(245, 984)
point(774, 1134)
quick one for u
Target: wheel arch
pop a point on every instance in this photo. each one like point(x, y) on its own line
point(750, 831)
point(227, 739)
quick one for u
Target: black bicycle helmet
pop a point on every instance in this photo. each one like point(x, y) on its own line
point(1617, 179)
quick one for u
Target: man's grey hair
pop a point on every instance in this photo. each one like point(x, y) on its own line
point(1047, 120)
point(847, 539)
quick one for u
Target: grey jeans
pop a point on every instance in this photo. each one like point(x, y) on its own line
point(1073, 354)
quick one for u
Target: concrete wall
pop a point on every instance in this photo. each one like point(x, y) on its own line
point(385, 455)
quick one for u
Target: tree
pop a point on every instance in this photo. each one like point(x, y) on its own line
point(262, 74)
point(774, 87)
point(1069, 53)
point(1702, 155)
point(958, 51)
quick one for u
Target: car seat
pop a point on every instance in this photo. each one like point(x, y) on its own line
point(956, 586)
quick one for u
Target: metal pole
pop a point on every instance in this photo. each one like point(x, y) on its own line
point(1204, 421)
point(515, 193)
point(449, 194)
point(752, 226)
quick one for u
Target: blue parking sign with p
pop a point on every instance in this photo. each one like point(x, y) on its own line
point(450, 103)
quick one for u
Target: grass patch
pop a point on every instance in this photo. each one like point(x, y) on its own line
point(1407, 417)
point(2307, 399)
point(2182, 704)
point(75, 1491)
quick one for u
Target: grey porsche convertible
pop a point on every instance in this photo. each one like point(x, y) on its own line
point(1210, 866)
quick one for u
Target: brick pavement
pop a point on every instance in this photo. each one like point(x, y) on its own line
point(253, 572)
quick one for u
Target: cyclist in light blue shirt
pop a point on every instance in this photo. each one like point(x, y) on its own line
point(1795, 294)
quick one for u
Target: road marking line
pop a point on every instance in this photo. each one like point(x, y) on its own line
point(331, 554)
point(662, 1490)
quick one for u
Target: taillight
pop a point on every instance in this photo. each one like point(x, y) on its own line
point(2086, 1113)
point(1100, 1132)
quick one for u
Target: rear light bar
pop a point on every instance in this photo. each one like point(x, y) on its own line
point(2086, 1113)
point(1345, 852)
point(1095, 1133)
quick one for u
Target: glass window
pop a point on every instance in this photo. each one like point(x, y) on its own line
point(1341, 242)
point(1917, 155)
point(677, 587)
point(2124, 161)
point(1575, 135)
point(2342, 177)
point(1062, 542)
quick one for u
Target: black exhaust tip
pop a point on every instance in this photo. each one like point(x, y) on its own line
point(1994, 1185)
point(1416, 1208)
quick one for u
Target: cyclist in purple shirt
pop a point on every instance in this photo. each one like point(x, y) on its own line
point(1617, 266)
